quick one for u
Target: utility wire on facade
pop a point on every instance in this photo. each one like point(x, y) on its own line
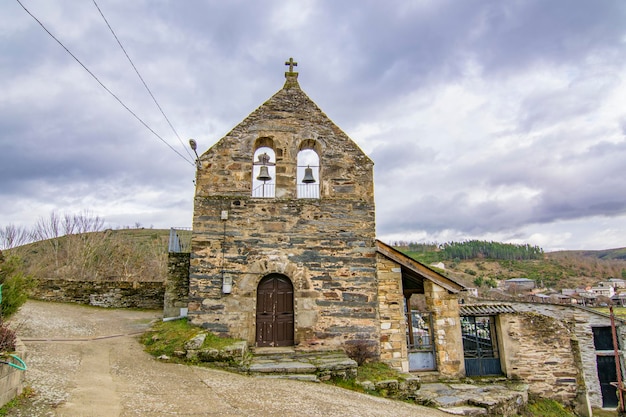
point(142, 80)
point(104, 86)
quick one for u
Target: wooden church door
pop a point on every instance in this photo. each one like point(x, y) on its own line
point(274, 312)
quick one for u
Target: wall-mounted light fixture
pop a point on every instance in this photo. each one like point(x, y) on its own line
point(194, 146)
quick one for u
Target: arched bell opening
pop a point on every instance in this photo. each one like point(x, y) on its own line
point(308, 173)
point(264, 172)
point(274, 312)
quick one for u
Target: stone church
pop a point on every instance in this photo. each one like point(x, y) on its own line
point(284, 253)
point(284, 249)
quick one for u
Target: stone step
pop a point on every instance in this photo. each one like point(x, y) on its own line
point(281, 367)
point(293, 377)
point(466, 410)
point(286, 362)
point(469, 399)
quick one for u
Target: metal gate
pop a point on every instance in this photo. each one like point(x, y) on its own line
point(420, 341)
point(479, 346)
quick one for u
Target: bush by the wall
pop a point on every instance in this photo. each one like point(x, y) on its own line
point(14, 285)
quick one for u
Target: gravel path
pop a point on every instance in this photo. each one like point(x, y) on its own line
point(86, 362)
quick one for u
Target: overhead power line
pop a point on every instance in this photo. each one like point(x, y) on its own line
point(104, 86)
point(142, 80)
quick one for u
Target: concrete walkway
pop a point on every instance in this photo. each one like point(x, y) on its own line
point(76, 372)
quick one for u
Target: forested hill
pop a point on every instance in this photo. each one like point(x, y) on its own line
point(484, 264)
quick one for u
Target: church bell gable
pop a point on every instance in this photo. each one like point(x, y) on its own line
point(284, 210)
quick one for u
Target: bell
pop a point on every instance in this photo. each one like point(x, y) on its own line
point(264, 174)
point(308, 176)
point(264, 158)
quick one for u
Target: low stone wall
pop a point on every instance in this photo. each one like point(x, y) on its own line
point(177, 288)
point(12, 379)
point(402, 389)
point(538, 350)
point(117, 294)
point(581, 321)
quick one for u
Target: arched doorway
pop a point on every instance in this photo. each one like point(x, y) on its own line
point(274, 311)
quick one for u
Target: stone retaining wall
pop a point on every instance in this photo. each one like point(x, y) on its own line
point(118, 294)
point(12, 379)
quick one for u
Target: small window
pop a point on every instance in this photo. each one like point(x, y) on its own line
point(264, 173)
point(602, 338)
point(308, 174)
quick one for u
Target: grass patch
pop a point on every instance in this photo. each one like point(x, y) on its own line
point(547, 408)
point(168, 337)
point(213, 341)
point(619, 312)
point(376, 371)
point(27, 393)
point(349, 384)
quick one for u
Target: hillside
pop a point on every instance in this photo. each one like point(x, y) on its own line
point(124, 254)
point(563, 269)
point(141, 254)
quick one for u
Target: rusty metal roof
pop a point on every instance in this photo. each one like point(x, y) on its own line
point(485, 309)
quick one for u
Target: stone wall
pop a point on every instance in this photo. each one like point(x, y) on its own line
point(581, 321)
point(118, 294)
point(12, 380)
point(177, 285)
point(538, 350)
point(333, 272)
point(393, 345)
point(446, 330)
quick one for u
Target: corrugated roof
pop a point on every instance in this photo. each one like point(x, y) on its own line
point(485, 309)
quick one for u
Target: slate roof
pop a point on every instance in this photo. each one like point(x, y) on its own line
point(485, 309)
point(414, 270)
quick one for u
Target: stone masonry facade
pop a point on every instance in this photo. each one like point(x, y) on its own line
point(447, 330)
point(581, 322)
point(325, 246)
point(540, 350)
point(393, 344)
point(113, 294)
point(177, 288)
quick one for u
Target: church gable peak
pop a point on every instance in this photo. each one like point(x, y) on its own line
point(291, 76)
point(303, 146)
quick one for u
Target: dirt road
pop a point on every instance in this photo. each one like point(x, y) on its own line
point(87, 362)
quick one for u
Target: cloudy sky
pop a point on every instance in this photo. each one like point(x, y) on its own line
point(496, 120)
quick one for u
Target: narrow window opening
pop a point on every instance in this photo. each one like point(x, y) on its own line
point(264, 173)
point(308, 174)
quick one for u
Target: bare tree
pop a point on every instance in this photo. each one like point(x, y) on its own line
point(49, 229)
point(12, 236)
point(87, 222)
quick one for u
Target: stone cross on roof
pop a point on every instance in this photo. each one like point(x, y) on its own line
point(291, 64)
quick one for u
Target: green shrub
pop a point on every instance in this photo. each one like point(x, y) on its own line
point(492, 283)
point(15, 285)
